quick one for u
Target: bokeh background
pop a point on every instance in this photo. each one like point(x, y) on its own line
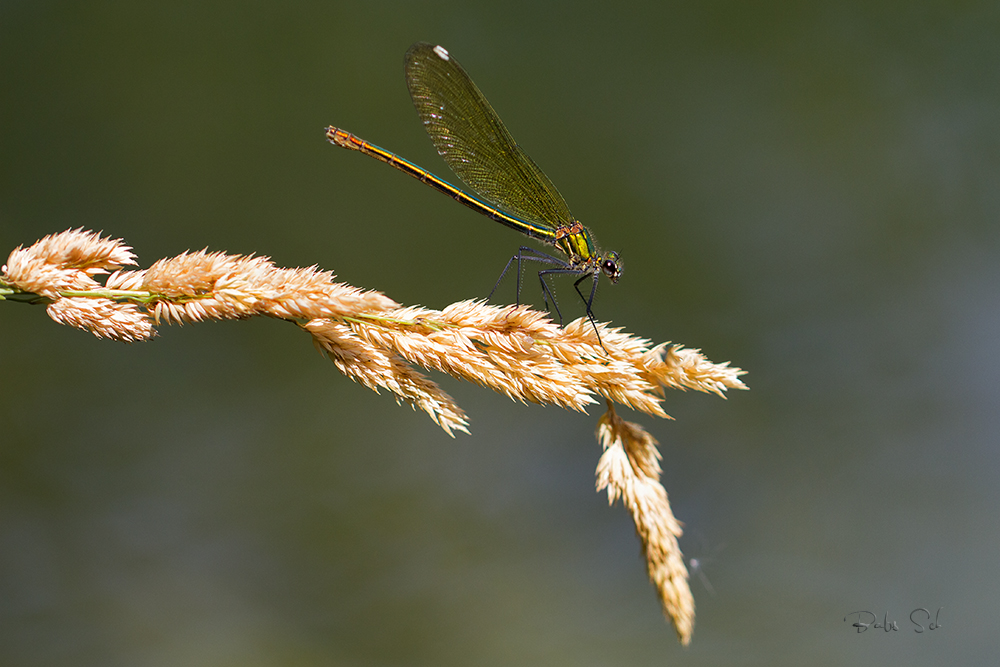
point(810, 190)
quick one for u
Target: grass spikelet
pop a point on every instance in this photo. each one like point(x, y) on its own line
point(65, 261)
point(483, 344)
point(196, 286)
point(630, 469)
point(104, 318)
point(376, 367)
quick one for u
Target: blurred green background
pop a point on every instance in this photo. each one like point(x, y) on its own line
point(810, 190)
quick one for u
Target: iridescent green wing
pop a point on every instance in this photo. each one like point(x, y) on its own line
point(472, 139)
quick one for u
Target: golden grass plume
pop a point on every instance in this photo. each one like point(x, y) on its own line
point(514, 350)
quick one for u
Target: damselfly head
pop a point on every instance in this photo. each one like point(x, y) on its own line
point(611, 265)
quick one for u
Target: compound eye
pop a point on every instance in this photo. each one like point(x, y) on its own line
point(611, 268)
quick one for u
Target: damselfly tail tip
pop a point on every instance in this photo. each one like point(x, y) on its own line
point(339, 137)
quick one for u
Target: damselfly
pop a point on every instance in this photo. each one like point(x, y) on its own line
point(509, 187)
